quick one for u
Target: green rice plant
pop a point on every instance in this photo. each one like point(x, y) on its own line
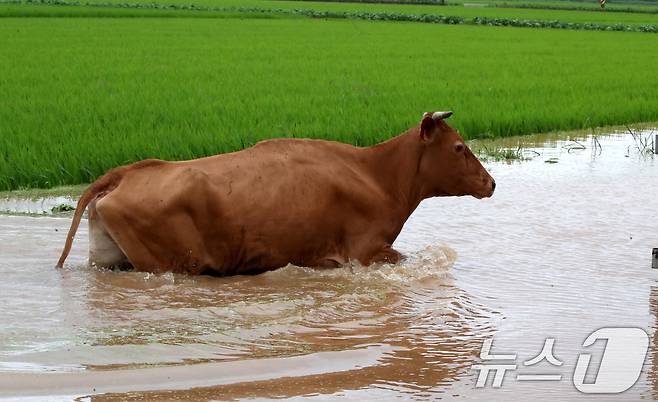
point(82, 95)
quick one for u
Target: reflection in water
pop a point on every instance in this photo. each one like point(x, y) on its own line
point(413, 307)
point(561, 250)
point(121, 320)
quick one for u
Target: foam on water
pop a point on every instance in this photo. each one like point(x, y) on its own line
point(431, 261)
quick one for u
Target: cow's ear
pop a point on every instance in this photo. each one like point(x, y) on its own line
point(427, 126)
point(430, 122)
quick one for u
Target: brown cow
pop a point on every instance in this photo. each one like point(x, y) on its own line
point(306, 202)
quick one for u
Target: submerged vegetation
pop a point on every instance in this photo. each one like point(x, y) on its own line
point(493, 153)
point(82, 95)
point(644, 143)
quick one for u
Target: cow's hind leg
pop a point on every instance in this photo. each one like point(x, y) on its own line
point(103, 250)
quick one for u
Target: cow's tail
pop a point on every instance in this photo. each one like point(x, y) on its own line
point(104, 184)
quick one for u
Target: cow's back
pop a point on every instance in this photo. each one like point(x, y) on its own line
point(286, 172)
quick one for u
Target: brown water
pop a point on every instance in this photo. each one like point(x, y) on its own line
point(561, 250)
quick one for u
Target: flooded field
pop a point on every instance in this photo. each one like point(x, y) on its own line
point(561, 250)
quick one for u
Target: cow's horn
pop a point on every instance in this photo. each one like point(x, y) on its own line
point(436, 116)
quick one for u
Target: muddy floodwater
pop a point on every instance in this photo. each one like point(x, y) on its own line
point(561, 250)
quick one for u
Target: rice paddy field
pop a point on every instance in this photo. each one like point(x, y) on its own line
point(84, 89)
point(594, 16)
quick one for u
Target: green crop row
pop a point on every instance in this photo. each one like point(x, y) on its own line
point(615, 6)
point(562, 25)
point(468, 13)
point(581, 6)
point(362, 15)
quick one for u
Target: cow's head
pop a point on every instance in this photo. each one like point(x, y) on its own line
point(447, 165)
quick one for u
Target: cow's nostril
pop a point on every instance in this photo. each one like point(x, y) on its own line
point(493, 185)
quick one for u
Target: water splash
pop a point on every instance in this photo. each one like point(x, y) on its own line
point(431, 261)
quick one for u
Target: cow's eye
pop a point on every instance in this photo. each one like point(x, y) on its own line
point(459, 147)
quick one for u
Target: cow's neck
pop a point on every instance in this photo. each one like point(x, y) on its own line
point(395, 164)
